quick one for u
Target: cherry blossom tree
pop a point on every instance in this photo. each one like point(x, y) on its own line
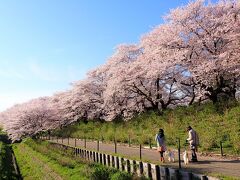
point(119, 100)
point(209, 37)
point(87, 95)
point(29, 118)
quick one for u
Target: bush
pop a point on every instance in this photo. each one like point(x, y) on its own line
point(121, 176)
point(100, 173)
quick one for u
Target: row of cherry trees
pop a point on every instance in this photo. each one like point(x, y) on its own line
point(191, 57)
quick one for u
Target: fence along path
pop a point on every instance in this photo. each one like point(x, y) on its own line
point(217, 165)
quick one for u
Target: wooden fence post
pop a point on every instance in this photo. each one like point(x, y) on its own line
point(90, 156)
point(122, 164)
point(140, 151)
point(149, 170)
point(94, 157)
point(129, 141)
point(179, 155)
point(133, 166)
point(108, 160)
point(141, 168)
point(76, 151)
point(113, 164)
point(115, 146)
point(104, 159)
point(128, 165)
point(97, 156)
point(156, 172)
point(116, 162)
point(221, 148)
point(97, 145)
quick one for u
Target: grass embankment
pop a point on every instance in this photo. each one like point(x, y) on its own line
point(43, 160)
point(7, 170)
point(213, 124)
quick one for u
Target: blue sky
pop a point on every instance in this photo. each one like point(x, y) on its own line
point(47, 44)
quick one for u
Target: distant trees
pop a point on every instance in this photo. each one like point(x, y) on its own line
point(193, 56)
point(30, 118)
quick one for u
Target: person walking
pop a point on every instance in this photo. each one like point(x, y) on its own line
point(161, 147)
point(193, 142)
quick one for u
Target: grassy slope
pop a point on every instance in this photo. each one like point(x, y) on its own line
point(42, 160)
point(213, 125)
point(6, 165)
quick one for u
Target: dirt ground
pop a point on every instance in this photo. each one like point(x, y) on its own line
point(205, 165)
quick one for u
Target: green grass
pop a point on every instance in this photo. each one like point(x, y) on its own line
point(213, 124)
point(38, 158)
point(222, 177)
point(7, 170)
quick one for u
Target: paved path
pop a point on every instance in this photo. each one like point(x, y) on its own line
point(217, 165)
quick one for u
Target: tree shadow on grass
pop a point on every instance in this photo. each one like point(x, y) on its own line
point(7, 168)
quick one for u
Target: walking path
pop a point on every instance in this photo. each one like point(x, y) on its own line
point(217, 165)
